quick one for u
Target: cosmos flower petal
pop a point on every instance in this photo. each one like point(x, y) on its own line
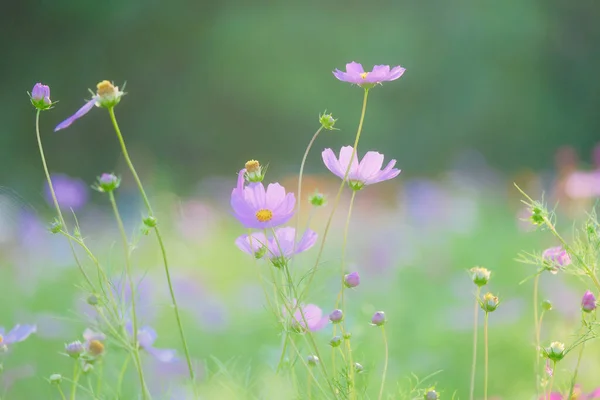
point(344, 160)
point(370, 165)
point(89, 335)
point(162, 355)
point(275, 195)
point(19, 333)
point(307, 241)
point(258, 241)
point(396, 73)
point(146, 336)
point(332, 163)
point(80, 113)
point(354, 68)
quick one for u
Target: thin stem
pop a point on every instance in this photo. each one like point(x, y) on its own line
point(308, 385)
point(385, 365)
point(579, 357)
point(339, 194)
point(475, 329)
point(122, 376)
point(486, 356)
point(344, 246)
point(552, 380)
point(62, 394)
point(129, 277)
point(75, 379)
point(536, 282)
point(55, 201)
point(188, 358)
point(299, 192)
point(100, 375)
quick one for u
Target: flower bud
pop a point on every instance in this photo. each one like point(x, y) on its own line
point(537, 215)
point(55, 379)
point(317, 199)
point(555, 258)
point(327, 121)
point(431, 394)
point(107, 183)
point(335, 341)
point(351, 280)
point(489, 302)
point(555, 352)
point(347, 335)
point(378, 318)
point(92, 300)
point(55, 227)
point(107, 94)
point(480, 276)
point(312, 360)
point(546, 305)
point(74, 349)
point(588, 302)
point(336, 316)
point(358, 368)
point(254, 171)
point(150, 222)
point(40, 97)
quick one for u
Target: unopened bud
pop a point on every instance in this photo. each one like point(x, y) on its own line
point(107, 183)
point(480, 276)
point(336, 316)
point(40, 97)
point(92, 300)
point(74, 349)
point(317, 199)
point(312, 360)
point(431, 394)
point(489, 302)
point(254, 172)
point(378, 318)
point(347, 335)
point(55, 227)
point(351, 280)
point(588, 302)
point(358, 368)
point(555, 352)
point(327, 121)
point(150, 222)
point(55, 379)
point(547, 305)
point(335, 341)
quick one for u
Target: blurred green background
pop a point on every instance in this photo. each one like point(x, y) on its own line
point(491, 89)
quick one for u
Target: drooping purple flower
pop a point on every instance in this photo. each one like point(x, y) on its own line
point(351, 280)
point(366, 172)
point(556, 258)
point(588, 302)
point(146, 337)
point(40, 97)
point(258, 208)
point(357, 75)
point(278, 248)
point(71, 193)
point(107, 96)
point(16, 334)
point(312, 314)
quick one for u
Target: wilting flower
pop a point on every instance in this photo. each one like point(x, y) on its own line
point(378, 318)
point(146, 337)
point(312, 314)
point(279, 248)
point(351, 280)
point(367, 172)
point(588, 302)
point(107, 96)
point(40, 97)
point(556, 258)
point(258, 208)
point(16, 334)
point(94, 342)
point(70, 192)
point(357, 75)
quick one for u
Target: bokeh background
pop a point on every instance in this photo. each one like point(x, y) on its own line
point(493, 94)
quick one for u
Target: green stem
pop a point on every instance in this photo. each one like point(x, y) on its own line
point(486, 356)
point(385, 365)
point(188, 358)
point(574, 381)
point(100, 374)
point(62, 394)
point(75, 379)
point(552, 380)
point(55, 201)
point(122, 376)
point(129, 278)
point(536, 282)
point(339, 193)
point(475, 329)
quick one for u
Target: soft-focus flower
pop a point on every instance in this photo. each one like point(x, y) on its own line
point(336, 316)
point(555, 352)
point(278, 248)
point(577, 395)
point(358, 368)
point(489, 302)
point(107, 183)
point(335, 341)
point(16, 334)
point(40, 97)
point(312, 314)
point(258, 208)
point(94, 342)
point(55, 379)
point(317, 199)
point(351, 280)
point(378, 318)
point(357, 75)
point(71, 193)
point(547, 305)
point(431, 394)
point(146, 337)
point(312, 360)
point(556, 258)
point(588, 302)
point(107, 96)
point(74, 349)
point(480, 276)
point(366, 172)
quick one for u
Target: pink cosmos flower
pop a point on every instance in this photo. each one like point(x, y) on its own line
point(556, 258)
point(258, 208)
point(357, 75)
point(366, 172)
point(280, 245)
point(577, 394)
point(312, 314)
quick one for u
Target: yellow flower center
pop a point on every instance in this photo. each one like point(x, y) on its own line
point(1, 339)
point(252, 166)
point(96, 347)
point(364, 75)
point(264, 215)
point(105, 88)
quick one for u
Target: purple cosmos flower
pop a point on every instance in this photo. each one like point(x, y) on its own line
point(351, 280)
point(40, 97)
point(556, 258)
point(16, 334)
point(588, 302)
point(357, 75)
point(107, 96)
point(366, 172)
point(146, 337)
point(71, 193)
point(258, 208)
point(312, 314)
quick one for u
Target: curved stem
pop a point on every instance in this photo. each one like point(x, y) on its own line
point(579, 357)
point(486, 356)
point(55, 201)
point(62, 394)
point(339, 193)
point(129, 277)
point(536, 282)
point(385, 365)
point(475, 329)
point(188, 358)
point(122, 376)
